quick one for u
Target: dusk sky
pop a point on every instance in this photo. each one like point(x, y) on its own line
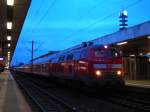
point(59, 24)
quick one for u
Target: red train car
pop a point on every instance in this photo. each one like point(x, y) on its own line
point(88, 64)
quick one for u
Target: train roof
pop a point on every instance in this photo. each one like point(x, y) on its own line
point(55, 56)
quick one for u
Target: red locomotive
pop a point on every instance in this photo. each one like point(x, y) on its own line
point(88, 64)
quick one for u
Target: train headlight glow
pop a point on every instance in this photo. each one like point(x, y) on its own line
point(119, 72)
point(98, 73)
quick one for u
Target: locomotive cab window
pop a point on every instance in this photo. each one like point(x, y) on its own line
point(106, 53)
point(99, 53)
point(115, 53)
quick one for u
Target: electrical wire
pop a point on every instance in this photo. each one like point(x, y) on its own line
point(100, 21)
point(44, 16)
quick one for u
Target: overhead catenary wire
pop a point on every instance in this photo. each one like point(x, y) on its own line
point(43, 16)
point(100, 20)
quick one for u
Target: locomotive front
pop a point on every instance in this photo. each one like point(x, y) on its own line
point(106, 66)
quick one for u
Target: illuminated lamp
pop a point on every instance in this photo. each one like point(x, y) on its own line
point(105, 46)
point(1, 59)
point(123, 19)
point(10, 2)
point(125, 12)
point(9, 45)
point(148, 53)
point(119, 72)
point(132, 55)
point(9, 25)
point(140, 54)
point(98, 73)
point(8, 37)
point(122, 43)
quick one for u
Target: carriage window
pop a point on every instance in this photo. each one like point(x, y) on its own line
point(99, 53)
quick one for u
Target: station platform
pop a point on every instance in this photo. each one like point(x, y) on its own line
point(138, 83)
point(11, 98)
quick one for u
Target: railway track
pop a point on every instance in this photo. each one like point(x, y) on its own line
point(128, 102)
point(131, 103)
point(73, 100)
point(44, 100)
point(127, 99)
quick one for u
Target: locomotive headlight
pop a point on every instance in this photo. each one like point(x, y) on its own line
point(119, 72)
point(98, 73)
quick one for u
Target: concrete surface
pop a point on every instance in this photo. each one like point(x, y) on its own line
point(11, 98)
point(138, 83)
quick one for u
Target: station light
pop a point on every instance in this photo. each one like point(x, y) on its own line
point(8, 53)
point(121, 43)
point(10, 2)
point(9, 25)
point(148, 37)
point(140, 54)
point(9, 45)
point(125, 12)
point(1, 59)
point(8, 63)
point(8, 37)
point(105, 46)
point(123, 19)
point(132, 55)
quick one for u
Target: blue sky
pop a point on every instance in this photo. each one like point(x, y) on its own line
point(59, 24)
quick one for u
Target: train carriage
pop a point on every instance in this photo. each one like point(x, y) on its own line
point(92, 65)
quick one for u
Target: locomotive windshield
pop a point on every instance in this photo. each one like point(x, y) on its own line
point(106, 53)
point(99, 53)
